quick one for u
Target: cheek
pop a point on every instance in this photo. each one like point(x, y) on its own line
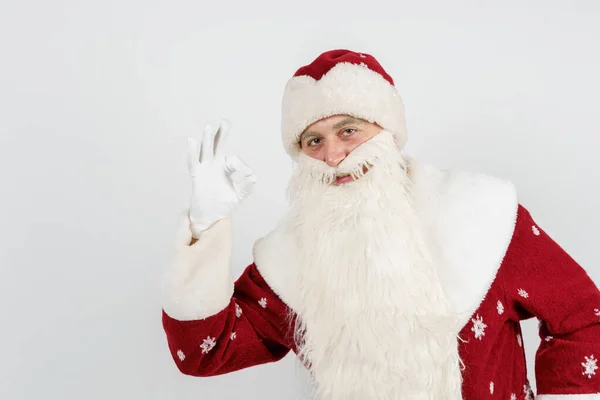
point(313, 153)
point(374, 131)
point(362, 138)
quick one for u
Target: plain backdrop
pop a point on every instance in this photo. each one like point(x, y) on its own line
point(97, 97)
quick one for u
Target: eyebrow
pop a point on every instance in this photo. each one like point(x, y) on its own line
point(342, 123)
point(347, 121)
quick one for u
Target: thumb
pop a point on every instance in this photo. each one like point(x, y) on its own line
point(235, 164)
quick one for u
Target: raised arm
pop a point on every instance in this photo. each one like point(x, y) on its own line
point(214, 326)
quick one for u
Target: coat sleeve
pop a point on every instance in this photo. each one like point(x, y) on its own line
point(543, 281)
point(214, 325)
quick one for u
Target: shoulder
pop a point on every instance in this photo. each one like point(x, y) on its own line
point(276, 257)
point(469, 219)
point(458, 185)
point(460, 201)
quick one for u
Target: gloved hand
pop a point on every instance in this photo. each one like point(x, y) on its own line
point(219, 183)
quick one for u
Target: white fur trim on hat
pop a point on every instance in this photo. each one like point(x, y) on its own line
point(346, 89)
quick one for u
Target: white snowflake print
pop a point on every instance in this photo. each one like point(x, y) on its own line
point(535, 230)
point(590, 365)
point(362, 55)
point(238, 310)
point(232, 336)
point(491, 387)
point(523, 293)
point(528, 392)
point(180, 355)
point(596, 312)
point(208, 344)
point(519, 340)
point(548, 338)
point(500, 307)
point(478, 327)
point(513, 396)
point(263, 302)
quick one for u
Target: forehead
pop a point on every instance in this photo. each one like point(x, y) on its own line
point(330, 122)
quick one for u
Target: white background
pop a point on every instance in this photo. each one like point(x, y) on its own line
point(96, 99)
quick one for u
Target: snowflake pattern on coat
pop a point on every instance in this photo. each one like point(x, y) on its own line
point(238, 310)
point(263, 302)
point(528, 392)
point(478, 327)
point(590, 366)
point(507, 294)
point(180, 355)
point(208, 344)
point(535, 230)
point(500, 307)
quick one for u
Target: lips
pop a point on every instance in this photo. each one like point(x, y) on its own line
point(343, 179)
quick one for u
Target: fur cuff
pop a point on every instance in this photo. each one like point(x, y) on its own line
point(591, 396)
point(198, 283)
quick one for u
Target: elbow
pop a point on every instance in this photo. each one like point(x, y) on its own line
point(195, 370)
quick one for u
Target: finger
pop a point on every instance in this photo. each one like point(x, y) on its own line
point(241, 178)
point(208, 140)
point(221, 135)
point(235, 164)
point(192, 154)
point(245, 186)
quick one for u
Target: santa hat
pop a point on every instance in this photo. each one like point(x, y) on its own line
point(341, 82)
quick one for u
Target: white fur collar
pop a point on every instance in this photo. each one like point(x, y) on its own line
point(469, 220)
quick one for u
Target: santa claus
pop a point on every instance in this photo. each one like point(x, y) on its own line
point(388, 278)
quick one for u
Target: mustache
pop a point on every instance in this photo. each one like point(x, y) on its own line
point(357, 171)
point(380, 150)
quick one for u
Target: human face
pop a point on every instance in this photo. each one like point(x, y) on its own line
point(332, 139)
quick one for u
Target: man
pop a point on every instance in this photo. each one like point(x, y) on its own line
point(389, 279)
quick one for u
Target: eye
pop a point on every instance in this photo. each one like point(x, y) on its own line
point(313, 142)
point(348, 131)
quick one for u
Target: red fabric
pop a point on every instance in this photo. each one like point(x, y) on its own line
point(262, 334)
point(566, 302)
point(326, 61)
point(537, 279)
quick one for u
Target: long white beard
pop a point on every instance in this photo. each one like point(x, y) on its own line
point(373, 321)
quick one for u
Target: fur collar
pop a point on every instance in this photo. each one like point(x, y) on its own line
point(469, 220)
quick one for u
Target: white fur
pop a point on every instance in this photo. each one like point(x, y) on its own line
point(469, 220)
point(347, 89)
point(361, 336)
point(373, 320)
point(198, 282)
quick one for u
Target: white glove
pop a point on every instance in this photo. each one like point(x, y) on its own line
point(219, 183)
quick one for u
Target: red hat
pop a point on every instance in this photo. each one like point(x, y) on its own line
point(341, 82)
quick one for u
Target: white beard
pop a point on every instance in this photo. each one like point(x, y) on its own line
point(373, 321)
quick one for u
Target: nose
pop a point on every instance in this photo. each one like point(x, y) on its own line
point(334, 153)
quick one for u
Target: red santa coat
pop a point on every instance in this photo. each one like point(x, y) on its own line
point(497, 266)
